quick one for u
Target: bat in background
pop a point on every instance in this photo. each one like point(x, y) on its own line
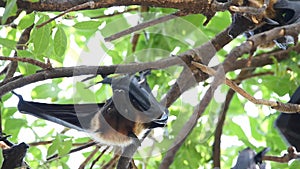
point(255, 16)
point(289, 123)
point(120, 121)
point(249, 159)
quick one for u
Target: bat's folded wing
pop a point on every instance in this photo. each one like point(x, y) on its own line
point(76, 116)
point(289, 124)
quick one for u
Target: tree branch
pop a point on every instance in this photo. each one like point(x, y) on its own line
point(291, 155)
point(143, 26)
point(87, 70)
point(89, 4)
point(28, 60)
point(194, 6)
point(84, 163)
point(283, 107)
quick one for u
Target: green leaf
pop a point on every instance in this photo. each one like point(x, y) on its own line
point(64, 165)
point(83, 94)
point(13, 127)
point(41, 37)
point(55, 145)
point(45, 91)
point(39, 123)
point(275, 84)
point(238, 131)
point(1, 157)
point(8, 112)
point(65, 147)
point(60, 42)
point(10, 10)
point(295, 164)
point(26, 21)
point(254, 124)
point(36, 152)
point(8, 43)
point(87, 25)
point(27, 69)
point(24, 53)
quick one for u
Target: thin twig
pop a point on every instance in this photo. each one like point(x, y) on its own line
point(283, 107)
point(247, 9)
point(90, 4)
point(112, 162)
point(50, 142)
point(98, 157)
point(239, 79)
point(219, 129)
point(28, 60)
point(143, 26)
point(291, 155)
point(87, 145)
point(84, 163)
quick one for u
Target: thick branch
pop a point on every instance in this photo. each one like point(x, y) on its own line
point(193, 6)
point(87, 70)
point(219, 129)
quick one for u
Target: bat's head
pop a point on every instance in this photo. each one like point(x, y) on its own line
point(131, 110)
point(131, 93)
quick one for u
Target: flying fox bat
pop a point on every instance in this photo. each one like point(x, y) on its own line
point(120, 121)
point(289, 124)
point(249, 159)
point(256, 16)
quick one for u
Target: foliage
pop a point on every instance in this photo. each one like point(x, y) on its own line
point(65, 41)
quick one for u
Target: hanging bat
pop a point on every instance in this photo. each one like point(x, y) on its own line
point(289, 124)
point(249, 159)
point(120, 121)
point(255, 16)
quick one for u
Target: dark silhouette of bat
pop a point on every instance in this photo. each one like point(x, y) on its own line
point(277, 13)
point(289, 123)
point(13, 157)
point(248, 159)
point(120, 121)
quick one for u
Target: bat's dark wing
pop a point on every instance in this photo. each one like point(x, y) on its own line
point(64, 114)
point(289, 124)
point(132, 102)
point(288, 10)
